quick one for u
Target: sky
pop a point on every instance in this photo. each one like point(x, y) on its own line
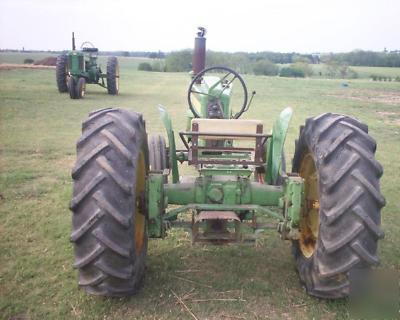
point(304, 26)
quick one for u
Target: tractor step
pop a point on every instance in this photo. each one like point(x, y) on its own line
point(216, 215)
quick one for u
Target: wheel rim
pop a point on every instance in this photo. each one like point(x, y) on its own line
point(309, 222)
point(139, 218)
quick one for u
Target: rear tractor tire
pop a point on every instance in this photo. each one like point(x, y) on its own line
point(340, 224)
point(109, 226)
point(62, 73)
point(112, 76)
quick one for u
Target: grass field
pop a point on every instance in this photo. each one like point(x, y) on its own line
point(38, 131)
point(362, 72)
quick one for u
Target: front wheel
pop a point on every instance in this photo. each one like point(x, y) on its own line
point(80, 88)
point(340, 222)
point(72, 88)
point(109, 226)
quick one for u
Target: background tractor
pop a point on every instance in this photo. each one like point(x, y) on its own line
point(328, 206)
point(77, 68)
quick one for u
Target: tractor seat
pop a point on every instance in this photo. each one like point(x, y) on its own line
point(208, 145)
point(227, 128)
point(88, 49)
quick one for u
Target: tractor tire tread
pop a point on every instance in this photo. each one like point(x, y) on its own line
point(350, 203)
point(61, 76)
point(112, 73)
point(103, 203)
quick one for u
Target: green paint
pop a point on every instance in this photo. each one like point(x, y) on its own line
point(173, 161)
point(155, 204)
point(226, 187)
point(275, 146)
point(212, 91)
point(238, 190)
point(84, 65)
point(292, 204)
point(225, 171)
point(294, 193)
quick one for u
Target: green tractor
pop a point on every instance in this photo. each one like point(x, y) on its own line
point(127, 187)
point(77, 68)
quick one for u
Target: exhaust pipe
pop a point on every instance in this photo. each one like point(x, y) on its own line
point(73, 42)
point(199, 53)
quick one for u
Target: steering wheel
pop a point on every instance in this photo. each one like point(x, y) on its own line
point(225, 81)
point(87, 44)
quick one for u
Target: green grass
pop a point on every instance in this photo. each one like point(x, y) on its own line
point(38, 131)
point(366, 72)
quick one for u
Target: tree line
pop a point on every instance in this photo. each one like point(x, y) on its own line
point(272, 63)
point(243, 60)
point(365, 58)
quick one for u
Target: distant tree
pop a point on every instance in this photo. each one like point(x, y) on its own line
point(291, 72)
point(158, 66)
point(161, 55)
point(301, 58)
point(343, 70)
point(365, 58)
point(332, 68)
point(265, 67)
point(145, 66)
point(153, 55)
point(340, 69)
point(304, 67)
point(352, 74)
point(237, 61)
point(178, 61)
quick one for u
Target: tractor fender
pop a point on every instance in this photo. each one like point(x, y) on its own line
point(275, 145)
point(173, 162)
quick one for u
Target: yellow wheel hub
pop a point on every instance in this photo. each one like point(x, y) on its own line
point(309, 222)
point(139, 218)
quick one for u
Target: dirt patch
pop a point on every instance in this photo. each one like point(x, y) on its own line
point(66, 162)
point(371, 96)
point(11, 66)
point(49, 61)
point(390, 117)
point(386, 114)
